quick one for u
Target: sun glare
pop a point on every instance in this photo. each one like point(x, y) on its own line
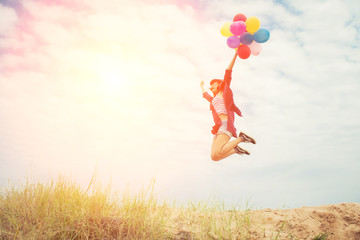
point(110, 75)
point(113, 79)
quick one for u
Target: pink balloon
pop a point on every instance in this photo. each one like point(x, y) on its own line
point(255, 48)
point(238, 28)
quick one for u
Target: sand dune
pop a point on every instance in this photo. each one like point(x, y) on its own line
point(338, 222)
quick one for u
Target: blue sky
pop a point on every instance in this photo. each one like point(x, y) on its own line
point(113, 88)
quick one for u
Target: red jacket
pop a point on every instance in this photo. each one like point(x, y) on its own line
point(231, 108)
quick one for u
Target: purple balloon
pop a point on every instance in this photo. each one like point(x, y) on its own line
point(238, 28)
point(246, 38)
point(233, 41)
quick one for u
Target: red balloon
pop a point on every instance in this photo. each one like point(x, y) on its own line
point(243, 51)
point(239, 17)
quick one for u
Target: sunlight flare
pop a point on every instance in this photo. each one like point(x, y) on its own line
point(110, 75)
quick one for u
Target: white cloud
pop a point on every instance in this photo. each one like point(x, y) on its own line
point(8, 20)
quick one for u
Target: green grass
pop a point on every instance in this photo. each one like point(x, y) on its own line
point(321, 236)
point(62, 210)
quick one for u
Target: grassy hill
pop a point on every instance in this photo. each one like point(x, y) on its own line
point(62, 210)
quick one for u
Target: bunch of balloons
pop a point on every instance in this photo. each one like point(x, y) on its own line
point(245, 35)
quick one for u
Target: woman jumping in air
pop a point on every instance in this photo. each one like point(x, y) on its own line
point(223, 108)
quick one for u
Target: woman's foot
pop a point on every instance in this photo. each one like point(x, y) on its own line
point(240, 151)
point(247, 138)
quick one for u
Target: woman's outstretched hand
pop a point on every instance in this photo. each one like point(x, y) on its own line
point(202, 86)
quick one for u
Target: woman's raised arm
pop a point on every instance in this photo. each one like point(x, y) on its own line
point(232, 61)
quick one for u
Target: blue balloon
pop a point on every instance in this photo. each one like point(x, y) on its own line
point(261, 35)
point(246, 38)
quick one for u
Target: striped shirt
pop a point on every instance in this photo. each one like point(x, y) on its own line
point(219, 105)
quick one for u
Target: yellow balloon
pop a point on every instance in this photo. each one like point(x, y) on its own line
point(252, 24)
point(225, 30)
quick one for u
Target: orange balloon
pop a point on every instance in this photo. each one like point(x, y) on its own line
point(239, 17)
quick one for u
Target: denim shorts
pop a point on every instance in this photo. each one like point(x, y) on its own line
point(223, 129)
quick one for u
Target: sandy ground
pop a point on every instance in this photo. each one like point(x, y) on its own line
point(338, 221)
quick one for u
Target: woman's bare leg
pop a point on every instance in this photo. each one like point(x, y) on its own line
point(222, 148)
point(232, 151)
